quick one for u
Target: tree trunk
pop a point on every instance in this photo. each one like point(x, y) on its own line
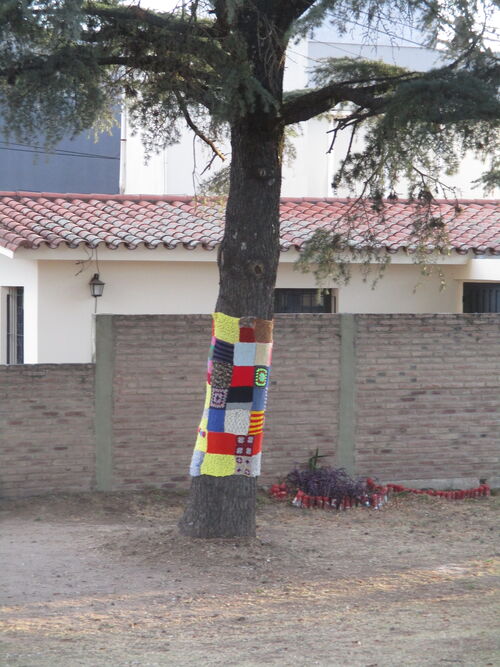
point(248, 261)
point(249, 253)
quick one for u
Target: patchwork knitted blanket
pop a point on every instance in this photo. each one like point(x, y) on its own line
point(230, 433)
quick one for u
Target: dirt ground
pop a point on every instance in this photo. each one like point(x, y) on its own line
point(105, 579)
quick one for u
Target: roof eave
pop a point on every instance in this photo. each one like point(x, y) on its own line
point(6, 252)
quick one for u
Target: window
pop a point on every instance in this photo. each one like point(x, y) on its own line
point(304, 301)
point(481, 298)
point(14, 329)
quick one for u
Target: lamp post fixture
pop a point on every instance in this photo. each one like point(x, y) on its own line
point(96, 286)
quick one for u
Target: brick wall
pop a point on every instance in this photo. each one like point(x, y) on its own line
point(302, 411)
point(46, 429)
point(159, 389)
point(428, 396)
point(427, 392)
point(425, 388)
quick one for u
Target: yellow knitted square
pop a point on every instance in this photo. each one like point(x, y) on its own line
point(201, 440)
point(226, 327)
point(208, 396)
point(218, 465)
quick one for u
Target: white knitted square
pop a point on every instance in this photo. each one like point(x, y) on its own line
point(263, 354)
point(237, 422)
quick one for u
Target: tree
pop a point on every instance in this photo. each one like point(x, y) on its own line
point(64, 64)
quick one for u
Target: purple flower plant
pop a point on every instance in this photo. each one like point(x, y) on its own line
point(327, 482)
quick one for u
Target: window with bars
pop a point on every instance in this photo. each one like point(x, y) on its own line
point(14, 330)
point(300, 300)
point(481, 298)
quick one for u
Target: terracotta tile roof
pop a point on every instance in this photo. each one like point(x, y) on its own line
point(33, 220)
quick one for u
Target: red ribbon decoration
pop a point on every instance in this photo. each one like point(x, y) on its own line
point(378, 495)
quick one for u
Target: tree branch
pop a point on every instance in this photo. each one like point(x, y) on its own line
point(195, 128)
point(320, 101)
point(169, 21)
point(288, 11)
point(323, 99)
point(350, 121)
point(55, 60)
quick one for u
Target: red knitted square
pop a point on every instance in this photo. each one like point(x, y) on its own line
point(248, 445)
point(220, 443)
point(243, 376)
point(247, 335)
point(257, 443)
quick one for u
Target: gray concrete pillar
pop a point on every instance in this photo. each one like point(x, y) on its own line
point(347, 401)
point(104, 376)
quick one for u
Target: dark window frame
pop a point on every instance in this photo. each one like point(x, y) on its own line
point(304, 300)
point(481, 297)
point(15, 325)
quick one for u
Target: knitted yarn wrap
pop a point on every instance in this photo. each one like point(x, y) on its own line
point(229, 439)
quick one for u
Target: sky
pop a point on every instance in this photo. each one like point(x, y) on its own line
point(392, 31)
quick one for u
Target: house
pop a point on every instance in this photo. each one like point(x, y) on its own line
point(157, 255)
point(78, 163)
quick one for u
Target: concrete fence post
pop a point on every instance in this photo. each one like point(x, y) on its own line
point(347, 390)
point(104, 379)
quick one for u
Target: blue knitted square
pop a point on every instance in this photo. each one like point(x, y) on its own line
point(259, 398)
point(216, 420)
point(223, 351)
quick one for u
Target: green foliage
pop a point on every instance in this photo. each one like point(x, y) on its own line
point(443, 98)
point(416, 126)
point(66, 64)
point(218, 184)
point(426, 129)
point(27, 105)
point(490, 179)
point(421, 127)
point(330, 254)
point(356, 72)
point(354, 238)
point(165, 65)
point(313, 460)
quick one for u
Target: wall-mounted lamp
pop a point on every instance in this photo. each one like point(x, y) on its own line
point(96, 286)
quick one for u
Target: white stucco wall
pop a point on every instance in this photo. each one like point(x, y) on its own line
point(173, 170)
point(59, 308)
point(64, 314)
point(142, 287)
point(20, 273)
point(402, 289)
point(480, 269)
